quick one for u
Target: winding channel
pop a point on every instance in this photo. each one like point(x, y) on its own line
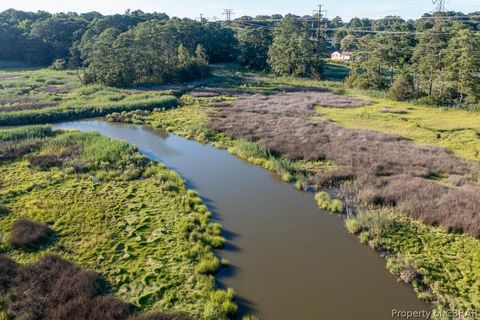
point(289, 260)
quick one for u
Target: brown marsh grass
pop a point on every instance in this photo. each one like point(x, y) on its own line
point(387, 170)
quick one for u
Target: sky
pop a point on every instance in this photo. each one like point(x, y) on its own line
point(346, 9)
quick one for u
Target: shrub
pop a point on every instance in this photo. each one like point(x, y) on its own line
point(375, 222)
point(245, 149)
point(336, 206)
point(41, 287)
point(402, 88)
point(323, 200)
point(27, 234)
point(86, 308)
point(45, 161)
point(364, 236)
point(216, 242)
point(59, 65)
point(8, 271)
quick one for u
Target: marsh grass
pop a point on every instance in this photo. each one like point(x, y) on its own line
point(332, 205)
point(128, 218)
point(453, 129)
point(163, 316)
point(353, 226)
point(45, 96)
point(387, 170)
point(447, 264)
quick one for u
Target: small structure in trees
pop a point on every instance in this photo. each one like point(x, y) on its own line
point(342, 56)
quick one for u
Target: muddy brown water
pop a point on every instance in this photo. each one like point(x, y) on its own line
point(289, 260)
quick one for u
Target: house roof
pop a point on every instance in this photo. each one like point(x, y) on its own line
point(343, 53)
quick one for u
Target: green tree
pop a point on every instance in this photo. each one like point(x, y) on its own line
point(293, 52)
point(428, 65)
point(338, 36)
point(463, 64)
point(104, 65)
point(349, 43)
point(58, 32)
point(254, 45)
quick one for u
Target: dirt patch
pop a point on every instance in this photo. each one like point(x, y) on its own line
point(10, 76)
point(387, 170)
point(393, 111)
point(55, 89)
point(28, 106)
point(207, 92)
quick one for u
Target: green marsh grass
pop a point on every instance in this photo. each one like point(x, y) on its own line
point(122, 215)
point(46, 96)
point(332, 205)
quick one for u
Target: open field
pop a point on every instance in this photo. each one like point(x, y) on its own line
point(45, 96)
point(110, 210)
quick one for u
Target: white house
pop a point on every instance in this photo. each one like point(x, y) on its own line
point(342, 56)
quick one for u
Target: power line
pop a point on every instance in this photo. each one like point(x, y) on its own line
point(319, 20)
point(252, 24)
point(228, 13)
point(439, 11)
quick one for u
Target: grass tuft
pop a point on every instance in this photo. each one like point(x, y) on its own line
point(326, 203)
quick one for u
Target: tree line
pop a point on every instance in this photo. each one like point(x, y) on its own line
point(439, 65)
point(437, 62)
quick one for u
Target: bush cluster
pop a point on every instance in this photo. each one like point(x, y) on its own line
point(26, 234)
point(53, 288)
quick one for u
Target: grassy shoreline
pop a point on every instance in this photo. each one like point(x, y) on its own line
point(449, 280)
point(115, 212)
point(46, 96)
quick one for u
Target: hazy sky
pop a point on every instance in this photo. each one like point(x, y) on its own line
point(210, 8)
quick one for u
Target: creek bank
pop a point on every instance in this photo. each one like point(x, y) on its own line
point(399, 239)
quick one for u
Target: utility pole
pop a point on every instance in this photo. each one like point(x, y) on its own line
point(201, 17)
point(228, 13)
point(320, 13)
point(439, 13)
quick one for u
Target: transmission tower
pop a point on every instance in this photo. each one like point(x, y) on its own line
point(228, 13)
point(439, 12)
point(320, 13)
